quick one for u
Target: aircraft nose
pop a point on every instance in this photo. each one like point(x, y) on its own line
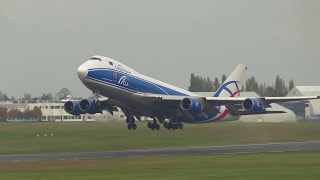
point(82, 71)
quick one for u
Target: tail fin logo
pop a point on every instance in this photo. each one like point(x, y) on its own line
point(123, 81)
point(67, 98)
point(232, 87)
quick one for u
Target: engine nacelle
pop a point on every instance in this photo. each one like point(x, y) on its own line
point(253, 105)
point(192, 105)
point(89, 106)
point(72, 107)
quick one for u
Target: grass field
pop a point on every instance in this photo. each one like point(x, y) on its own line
point(18, 138)
point(288, 165)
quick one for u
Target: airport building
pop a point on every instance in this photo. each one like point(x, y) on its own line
point(305, 109)
point(53, 111)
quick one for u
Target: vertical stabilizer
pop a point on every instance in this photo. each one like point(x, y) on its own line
point(234, 83)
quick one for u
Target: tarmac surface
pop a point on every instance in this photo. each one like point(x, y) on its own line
point(232, 149)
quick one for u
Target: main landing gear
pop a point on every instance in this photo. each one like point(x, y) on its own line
point(131, 123)
point(154, 125)
point(173, 124)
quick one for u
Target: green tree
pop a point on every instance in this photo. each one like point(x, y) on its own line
point(291, 85)
point(193, 83)
point(262, 89)
point(27, 96)
point(224, 78)
point(252, 85)
point(216, 84)
point(63, 93)
point(280, 88)
point(198, 84)
point(5, 97)
point(270, 92)
point(208, 85)
point(3, 113)
point(44, 97)
point(47, 97)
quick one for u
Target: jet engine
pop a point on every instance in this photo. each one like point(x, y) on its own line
point(72, 107)
point(89, 106)
point(253, 105)
point(192, 105)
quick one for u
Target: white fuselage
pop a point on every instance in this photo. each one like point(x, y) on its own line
point(125, 88)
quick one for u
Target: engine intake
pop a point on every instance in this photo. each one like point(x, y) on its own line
point(72, 107)
point(89, 106)
point(253, 105)
point(191, 104)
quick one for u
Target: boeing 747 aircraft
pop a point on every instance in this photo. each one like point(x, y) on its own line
point(117, 85)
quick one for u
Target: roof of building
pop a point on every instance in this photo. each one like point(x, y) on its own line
point(305, 91)
point(308, 88)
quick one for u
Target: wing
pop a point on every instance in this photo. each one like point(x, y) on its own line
point(233, 104)
point(265, 100)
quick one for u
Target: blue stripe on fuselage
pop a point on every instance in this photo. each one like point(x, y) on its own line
point(139, 85)
point(134, 83)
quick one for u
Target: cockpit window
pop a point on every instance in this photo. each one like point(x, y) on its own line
point(95, 58)
point(111, 63)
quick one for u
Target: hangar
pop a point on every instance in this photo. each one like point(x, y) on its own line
point(305, 109)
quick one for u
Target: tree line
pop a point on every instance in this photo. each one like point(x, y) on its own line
point(200, 84)
point(45, 96)
point(17, 114)
point(278, 89)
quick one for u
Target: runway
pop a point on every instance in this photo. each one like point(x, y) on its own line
point(233, 149)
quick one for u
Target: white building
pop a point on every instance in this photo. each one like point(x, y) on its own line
point(305, 109)
point(53, 111)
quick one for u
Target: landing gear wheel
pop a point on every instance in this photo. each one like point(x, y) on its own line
point(169, 126)
point(175, 126)
point(180, 126)
point(157, 126)
point(133, 120)
point(129, 126)
point(149, 124)
point(134, 126)
point(128, 120)
point(152, 127)
point(165, 124)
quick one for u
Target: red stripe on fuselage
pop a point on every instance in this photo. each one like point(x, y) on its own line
point(224, 114)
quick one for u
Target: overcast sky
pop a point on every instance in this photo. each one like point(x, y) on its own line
point(43, 42)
